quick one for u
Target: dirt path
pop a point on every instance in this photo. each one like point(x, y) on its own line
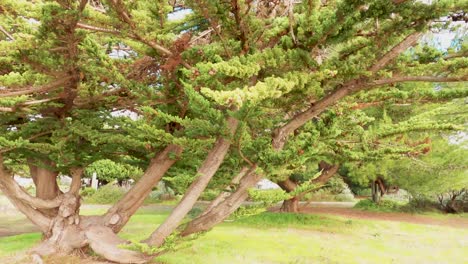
point(456, 222)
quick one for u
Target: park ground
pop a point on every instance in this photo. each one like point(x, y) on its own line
point(321, 233)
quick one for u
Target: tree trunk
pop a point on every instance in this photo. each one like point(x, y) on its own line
point(205, 173)
point(45, 180)
point(375, 192)
point(119, 214)
point(70, 232)
point(223, 209)
point(290, 206)
point(225, 194)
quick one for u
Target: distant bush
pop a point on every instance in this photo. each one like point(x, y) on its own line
point(107, 194)
point(382, 206)
point(209, 195)
point(87, 191)
point(267, 197)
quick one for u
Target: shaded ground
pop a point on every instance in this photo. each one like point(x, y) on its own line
point(458, 222)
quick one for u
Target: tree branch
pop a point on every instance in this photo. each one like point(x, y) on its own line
point(41, 89)
point(395, 51)
point(94, 28)
point(6, 33)
point(281, 134)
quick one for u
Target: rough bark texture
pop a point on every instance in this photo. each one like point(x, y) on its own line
point(70, 232)
point(209, 218)
point(117, 216)
point(204, 174)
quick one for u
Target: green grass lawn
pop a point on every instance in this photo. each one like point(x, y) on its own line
point(294, 238)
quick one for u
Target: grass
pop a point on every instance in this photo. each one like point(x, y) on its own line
point(295, 238)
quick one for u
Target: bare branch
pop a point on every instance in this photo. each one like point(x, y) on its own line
point(41, 89)
point(417, 79)
point(94, 28)
point(7, 109)
point(395, 51)
point(6, 33)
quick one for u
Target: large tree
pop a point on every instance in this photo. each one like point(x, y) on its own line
point(239, 87)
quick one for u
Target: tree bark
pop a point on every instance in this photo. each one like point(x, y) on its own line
point(375, 192)
point(45, 180)
point(205, 173)
point(119, 214)
point(75, 185)
point(327, 173)
point(13, 192)
point(291, 205)
point(70, 232)
point(225, 194)
point(223, 209)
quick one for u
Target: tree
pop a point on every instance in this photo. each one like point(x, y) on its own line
point(108, 171)
point(240, 87)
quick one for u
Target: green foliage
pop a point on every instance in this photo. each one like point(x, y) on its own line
point(382, 206)
point(107, 194)
point(268, 197)
point(108, 171)
point(87, 192)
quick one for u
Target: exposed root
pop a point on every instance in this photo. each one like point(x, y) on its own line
point(106, 243)
point(69, 233)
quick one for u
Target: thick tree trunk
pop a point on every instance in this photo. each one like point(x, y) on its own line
point(45, 181)
point(209, 218)
point(204, 174)
point(290, 206)
point(119, 214)
point(70, 232)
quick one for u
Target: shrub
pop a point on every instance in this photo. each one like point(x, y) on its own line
point(87, 191)
point(267, 197)
point(382, 206)
point(209, 195)
point(107, 194)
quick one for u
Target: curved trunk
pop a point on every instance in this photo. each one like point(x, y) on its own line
point(205, 173)
point(214, 215)
point(70, 232)
point(119, 214)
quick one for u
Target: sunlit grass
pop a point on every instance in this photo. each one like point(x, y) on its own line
point(295, 238)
